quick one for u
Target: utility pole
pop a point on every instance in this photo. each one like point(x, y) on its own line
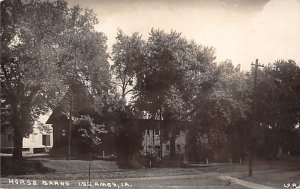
point(71, 108)
point(187, 148)
point(74, 67)
point(70, 126)
point(90, 157)
point(253, 127)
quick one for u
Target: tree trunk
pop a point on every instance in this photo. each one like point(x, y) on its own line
point(250, 163)
point(18, 133)
point(18, 143)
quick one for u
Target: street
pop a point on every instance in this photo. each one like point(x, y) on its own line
point(207, 180)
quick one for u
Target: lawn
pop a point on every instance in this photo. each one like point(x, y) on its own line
point(269, 173)
point(52, 169)
point(276, 174)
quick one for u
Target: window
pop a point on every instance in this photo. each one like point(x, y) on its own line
point(25, 149)
point(167, 148)
point(9, 138)
point(46, 140)
point(178, 148)
point(156, 131)
point(178, 132)
point(157, 148)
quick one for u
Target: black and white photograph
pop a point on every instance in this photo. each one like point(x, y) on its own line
point(144, 94)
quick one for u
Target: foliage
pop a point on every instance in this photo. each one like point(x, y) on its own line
point(27, 61)
point(45, 48)
point(83, 60)
point(169, 73)
point(128, 142)
point(158, 73)
point(29, 76)
point(127, 54)
point(87, 133)
point(44, 128)
point(221, 110)
point(167, 77)
point(279, 105)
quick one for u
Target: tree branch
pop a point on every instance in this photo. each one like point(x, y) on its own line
point(128, 91)
point(126, 83)
point(7, 80)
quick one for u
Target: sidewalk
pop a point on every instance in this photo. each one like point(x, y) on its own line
point(243, 183)
point(209, 180)
point(26, 155)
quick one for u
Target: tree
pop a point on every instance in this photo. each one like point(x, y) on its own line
point(219, 111)
point(128, 142)
point(167, 79)
point(28, 52)
point(278, 107)
point(84, 56)
point(88, 133)
point(46, 48)
point(127, 54)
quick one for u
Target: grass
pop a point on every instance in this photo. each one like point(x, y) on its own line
point(78, 170)
point(270, 173)
point(276, 174)
point(274, 179)
point(80, 165)
point(44, 168)
point(24, 167)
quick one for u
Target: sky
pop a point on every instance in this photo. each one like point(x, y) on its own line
point(239, 30)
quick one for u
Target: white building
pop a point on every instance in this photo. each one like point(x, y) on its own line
point(38, 141)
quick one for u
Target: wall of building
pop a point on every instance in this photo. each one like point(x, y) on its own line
point(35, 140)
point(7, 138)
point(30, 143)
point(147, 144)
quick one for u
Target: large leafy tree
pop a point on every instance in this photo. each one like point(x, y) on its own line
point(29, 36)
point(45, 48)
point(83, 62)
point(234, 96)
point(84, 56)
point(220, 103)
point(278, 106)
point(171, 77)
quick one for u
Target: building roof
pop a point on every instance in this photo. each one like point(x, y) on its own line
point(82, 100)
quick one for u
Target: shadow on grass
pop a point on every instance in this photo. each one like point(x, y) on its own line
point(22, 167)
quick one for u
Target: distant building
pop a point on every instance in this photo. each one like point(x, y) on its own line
point(60, 123)
point(147, 144)
point(153, 143)
point(82, 104)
